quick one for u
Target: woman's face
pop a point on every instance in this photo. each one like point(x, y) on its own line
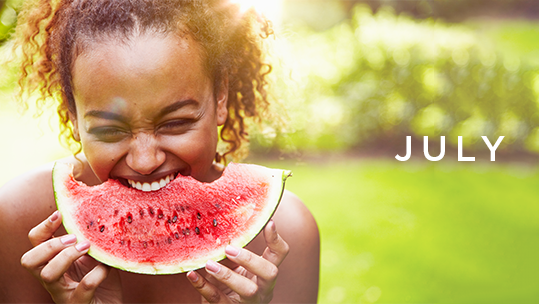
point(146, 109)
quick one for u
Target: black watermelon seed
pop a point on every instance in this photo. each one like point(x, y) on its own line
point(121, 242)
point(144, 244)
point(198, 215)
point(91, 223)
point(214, 223)
point(174, 219)
point(169, 221)
point(141, 212)
point(129, 219)
point(197, 230)
point(169, 240)
point(151, 210)
point(186, 231)
point(102, 228)
point(183, 209)
point(176, 235)
point(160, 214)
point(217, 206)
point(87, 226)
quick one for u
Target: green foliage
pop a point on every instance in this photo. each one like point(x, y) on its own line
point(396, 232)
point(381, 76)
point(8, 18)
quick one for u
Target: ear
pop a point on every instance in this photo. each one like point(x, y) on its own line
point(222, 101)
point(73, 119)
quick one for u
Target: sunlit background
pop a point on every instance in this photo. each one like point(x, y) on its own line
point(356, 78)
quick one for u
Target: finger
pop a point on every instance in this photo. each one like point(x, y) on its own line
point(85, 290)
point(277, 248)
point(39, 256)
point(245, 288)
point(209, 291)
point(265, 270)
point(45, 229)
point(55, 269)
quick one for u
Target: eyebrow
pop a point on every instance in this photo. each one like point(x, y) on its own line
point(177, 105)
point(105, 115)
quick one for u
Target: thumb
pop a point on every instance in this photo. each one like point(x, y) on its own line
point(86, 289)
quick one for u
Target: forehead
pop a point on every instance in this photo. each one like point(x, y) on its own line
point(140, 69)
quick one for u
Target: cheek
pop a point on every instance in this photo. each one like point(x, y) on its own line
point(197, 149)
point(101, 157)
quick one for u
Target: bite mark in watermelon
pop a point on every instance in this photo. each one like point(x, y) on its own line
point(175, 229)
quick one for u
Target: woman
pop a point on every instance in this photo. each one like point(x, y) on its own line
point(143, 87)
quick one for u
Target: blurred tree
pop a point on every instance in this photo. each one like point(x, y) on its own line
point(381, 76)
point(449, 10)
point(456, 10)
point(8, 18)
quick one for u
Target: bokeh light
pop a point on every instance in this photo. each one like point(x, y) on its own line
point(270, 9)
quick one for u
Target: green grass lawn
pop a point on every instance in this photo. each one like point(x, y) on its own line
point(421, 233)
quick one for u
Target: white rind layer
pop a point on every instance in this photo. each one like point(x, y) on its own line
point(63, 172)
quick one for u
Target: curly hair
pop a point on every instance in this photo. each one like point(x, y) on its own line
point(51, 33)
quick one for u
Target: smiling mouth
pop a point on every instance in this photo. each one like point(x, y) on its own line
point(153, 186)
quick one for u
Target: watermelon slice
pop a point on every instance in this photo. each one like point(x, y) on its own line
point(174, 229)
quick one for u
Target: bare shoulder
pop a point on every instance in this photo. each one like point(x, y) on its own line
point(24, 202)
point(295, 220)
point(299, 272)
point(23, 199)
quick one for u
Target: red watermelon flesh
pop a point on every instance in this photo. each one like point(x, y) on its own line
point(175, 229)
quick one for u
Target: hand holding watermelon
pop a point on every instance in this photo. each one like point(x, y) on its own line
point(64, 269)
point(252, 281)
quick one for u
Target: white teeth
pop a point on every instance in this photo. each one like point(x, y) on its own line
point(154, 186)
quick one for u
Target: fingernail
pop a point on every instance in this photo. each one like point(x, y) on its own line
point(54, 216)
point(272, 226)
point(211, 266)
point(68, 239)
point(232, 251)
point(192, 276)
point(82, 246)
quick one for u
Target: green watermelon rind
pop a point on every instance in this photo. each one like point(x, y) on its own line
point(63, 171)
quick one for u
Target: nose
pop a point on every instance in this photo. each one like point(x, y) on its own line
point(145, 155)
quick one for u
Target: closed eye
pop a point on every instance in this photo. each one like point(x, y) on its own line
point(176, 125)
point(109, 134)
